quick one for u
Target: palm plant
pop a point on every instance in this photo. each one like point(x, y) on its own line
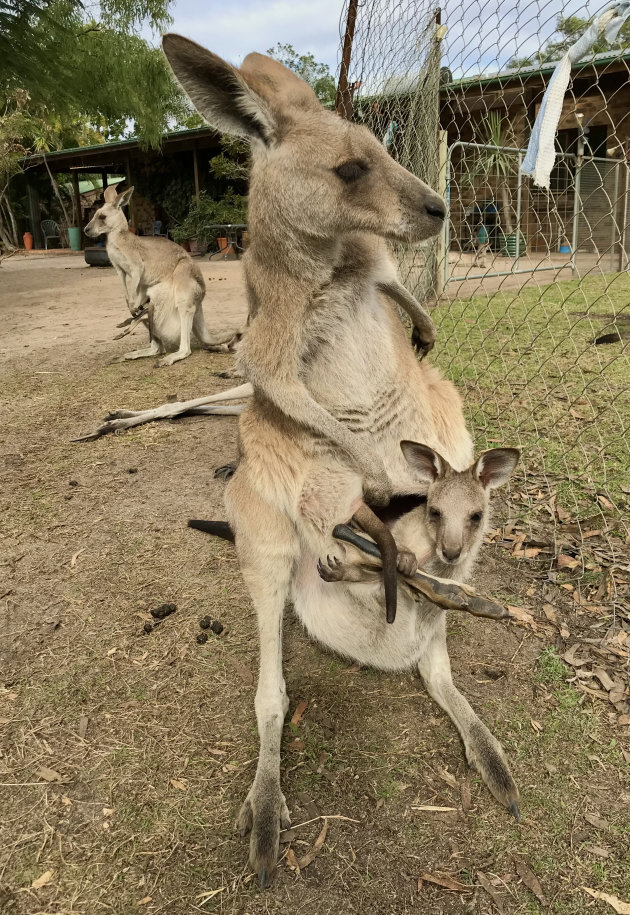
point(494, 160)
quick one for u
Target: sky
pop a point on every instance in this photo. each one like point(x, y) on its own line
point(482, 34)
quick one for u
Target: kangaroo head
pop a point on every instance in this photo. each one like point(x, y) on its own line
point(313, 174)
point(456, 511)
point(110, 216)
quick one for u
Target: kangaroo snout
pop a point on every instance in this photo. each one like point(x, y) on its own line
point(436, 208)
point(451, 553)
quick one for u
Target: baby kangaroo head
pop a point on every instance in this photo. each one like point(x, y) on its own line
point(110, 216)
point(314, 174)
point(457, 504)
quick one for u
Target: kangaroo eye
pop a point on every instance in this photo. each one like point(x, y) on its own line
point(351, 171)
point(476, 517)
point(435, 514)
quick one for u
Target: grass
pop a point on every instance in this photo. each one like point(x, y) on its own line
point(531, 376)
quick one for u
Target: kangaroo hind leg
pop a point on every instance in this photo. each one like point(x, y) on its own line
point(483, 751)
point(267, 546)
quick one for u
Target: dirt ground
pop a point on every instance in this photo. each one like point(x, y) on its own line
point(125, 755)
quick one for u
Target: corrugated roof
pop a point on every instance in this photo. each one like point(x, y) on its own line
point(118, 144)
point(504, 76)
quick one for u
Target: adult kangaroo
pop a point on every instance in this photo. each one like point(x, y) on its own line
point(159, 275)
point(336, 384)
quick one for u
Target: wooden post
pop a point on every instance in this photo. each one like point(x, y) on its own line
point(132, 208)
point(441, 252)
point(35, 214)
point(196, 170)
point(343, 102)
point(77, 215)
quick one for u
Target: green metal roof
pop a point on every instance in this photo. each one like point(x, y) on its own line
point(520, 73)
point(118, 144)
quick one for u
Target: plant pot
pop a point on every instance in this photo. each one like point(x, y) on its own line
point(196, 247)
point(27, 238)
point(74, 237)
point(513, 242)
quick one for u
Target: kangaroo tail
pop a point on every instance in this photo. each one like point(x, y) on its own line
point(216, 528)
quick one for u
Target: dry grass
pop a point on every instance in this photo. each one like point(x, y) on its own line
point(153, 736)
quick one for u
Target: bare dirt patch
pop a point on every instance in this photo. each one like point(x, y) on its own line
point(124, 755)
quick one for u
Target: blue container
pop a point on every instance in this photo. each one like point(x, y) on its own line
point(565, 249)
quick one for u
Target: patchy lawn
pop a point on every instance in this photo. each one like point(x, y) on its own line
point(124, 755)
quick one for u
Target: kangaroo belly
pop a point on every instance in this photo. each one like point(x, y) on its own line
point(164, 320)
point(350, 619)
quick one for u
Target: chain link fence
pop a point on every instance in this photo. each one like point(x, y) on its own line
point(530, 287)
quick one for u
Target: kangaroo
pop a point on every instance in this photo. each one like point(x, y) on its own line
point(336, 383)
point(159, 276)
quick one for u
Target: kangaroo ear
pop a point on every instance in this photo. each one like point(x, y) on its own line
point(110, 193)
point(494, 468)
point(218, 91)
point(123, 199)
point(427, 463)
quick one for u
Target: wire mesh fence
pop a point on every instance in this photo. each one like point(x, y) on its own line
point(530, 286)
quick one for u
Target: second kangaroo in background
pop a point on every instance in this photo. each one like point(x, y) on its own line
point(158, 274)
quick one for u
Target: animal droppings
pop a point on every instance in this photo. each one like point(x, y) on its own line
point(73, 483)
point(164, 610)
point(202, 638)
point(148, 627)
point(133, 470)
point(205, 622)
point(217, 627)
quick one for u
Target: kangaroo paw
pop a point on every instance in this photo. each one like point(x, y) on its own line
point(485, 754)
point(263, 814)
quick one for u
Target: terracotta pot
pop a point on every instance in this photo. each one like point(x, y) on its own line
point(27, 238)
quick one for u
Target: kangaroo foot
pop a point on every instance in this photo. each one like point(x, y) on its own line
point(263, 814)
point(485, 754)
point(225, 471)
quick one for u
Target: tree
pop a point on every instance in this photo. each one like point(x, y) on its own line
point(569, 29)
point(493, 160)
point(315, 74)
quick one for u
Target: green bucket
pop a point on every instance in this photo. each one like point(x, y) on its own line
point(74, 237)
point(510, 243)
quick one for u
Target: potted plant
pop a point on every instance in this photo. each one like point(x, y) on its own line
point(206, 212)
point(494, 160)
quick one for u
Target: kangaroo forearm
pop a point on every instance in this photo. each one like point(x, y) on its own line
point(418, 315)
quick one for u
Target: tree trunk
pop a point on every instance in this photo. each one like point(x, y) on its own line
point(55, 188)
point(8, 229)
point(506, 215)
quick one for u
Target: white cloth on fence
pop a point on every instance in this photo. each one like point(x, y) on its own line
point(541, 152)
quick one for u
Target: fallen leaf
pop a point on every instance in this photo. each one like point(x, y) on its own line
point(484, 881)
point(596, 821)
point(567, 562)
point(49, 775)
point(603, 678)
point(315, 850)
point(75, 556)
point(530, 880)
point(605, 503)
point(180, 784)
point(210, 894)
point(444, 880)
point(296, 744)
point(83, 726)
point(380, 803)
point(550, 613)
point(464, 792)
point(431, 809)
point(42, 881)
point(298, 714)
point(599, 851)
point(536, 726)
point(144, 900)
point(621, 908)
point(623, 720)
point(447, 777)
point(292, 861)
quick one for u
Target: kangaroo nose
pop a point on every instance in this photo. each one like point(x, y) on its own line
point(436, 208)
point(452, 553)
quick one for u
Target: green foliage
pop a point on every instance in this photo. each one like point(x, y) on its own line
point(204, 212)
point(569, 29)
point(550, 668)
point(79, 71)
point(315, 74)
